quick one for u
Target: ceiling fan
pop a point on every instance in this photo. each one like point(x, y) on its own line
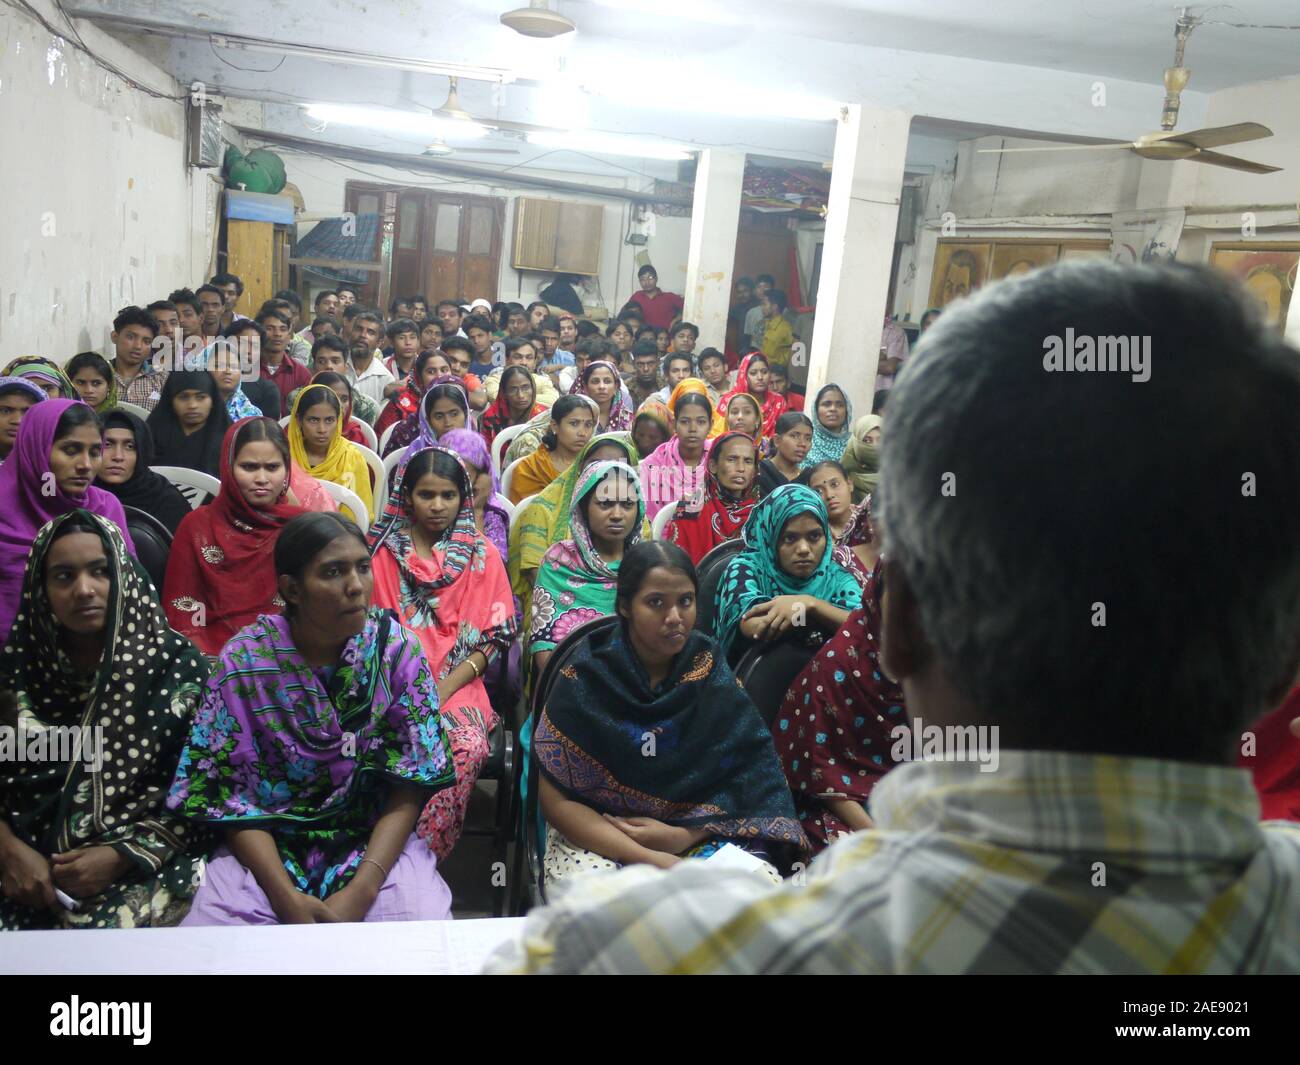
point(1165, 144)
point(453, 112)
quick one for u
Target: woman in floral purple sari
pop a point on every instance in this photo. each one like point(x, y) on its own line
point(318, 742)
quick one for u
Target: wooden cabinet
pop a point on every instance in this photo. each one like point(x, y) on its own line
point(557, 236)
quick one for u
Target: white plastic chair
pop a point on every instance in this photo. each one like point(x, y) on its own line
point(372, 441)
point(132, 408)
point(390, 464)
point(502, 442)
point(379, 490)
point(662, 519)
point(509, 508)
point(284, 422)
point(520, 507)
point(197, 487)
point(508, 476)
point(383, 440)
point(345, 497)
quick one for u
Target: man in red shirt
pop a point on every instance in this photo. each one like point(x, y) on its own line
point(287, 374)
point(660, 308)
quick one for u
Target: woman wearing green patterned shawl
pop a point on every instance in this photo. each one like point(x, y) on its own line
point(318, 742)
point(94, 380)
point(785, 581)
point(43, 372)
point(545, 520)
point(103, 692)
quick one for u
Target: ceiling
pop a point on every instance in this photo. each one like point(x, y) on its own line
point(658, 67)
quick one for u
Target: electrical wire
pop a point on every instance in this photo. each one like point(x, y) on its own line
point(249, 70)
point(73, 37)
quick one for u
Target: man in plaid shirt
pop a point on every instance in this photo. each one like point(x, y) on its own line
point(1055, 569)
point(139, 370)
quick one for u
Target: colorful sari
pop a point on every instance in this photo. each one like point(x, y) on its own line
point(534, 473)
point(667, 478)
point(134, 712)
point(860, 530)
point(772, 406)
point(220, 573)
point(717, 770)
point(457, 602)
point(827, 445)
point(833, 732)
point(861, 461)
point(754, 576)
point(545, 521)
point(574, 584)
point(711, 515)
point(619, 418)
point(46, 373)
point(343, 463)
point(308, 755)
point(25, 505)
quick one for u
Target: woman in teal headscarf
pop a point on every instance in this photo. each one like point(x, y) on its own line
point(832, 416)
point(785, 578)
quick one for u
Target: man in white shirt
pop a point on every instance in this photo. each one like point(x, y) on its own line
point(367, 371)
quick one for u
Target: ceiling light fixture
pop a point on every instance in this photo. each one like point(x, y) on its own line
point(607, 144)
point(390, 120)
point(537, 20)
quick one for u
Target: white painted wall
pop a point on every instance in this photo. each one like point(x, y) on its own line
point(98, 209)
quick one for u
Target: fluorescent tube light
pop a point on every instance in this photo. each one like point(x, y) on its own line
point(390, 120)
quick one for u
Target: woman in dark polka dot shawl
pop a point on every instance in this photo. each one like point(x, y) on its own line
point(833, 732)
point(104, 801)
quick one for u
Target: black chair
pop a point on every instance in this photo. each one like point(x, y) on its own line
point(499, 766)
point(527, 846)
point(768, 670)
point(709, 572)
point(153, 543)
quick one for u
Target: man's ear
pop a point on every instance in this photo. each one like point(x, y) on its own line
point(904, 649)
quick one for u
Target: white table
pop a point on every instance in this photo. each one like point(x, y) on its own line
point(426, 948)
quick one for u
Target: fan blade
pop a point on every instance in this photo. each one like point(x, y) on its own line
point(1217, 136)
point(1063, 147)
point(1233, 163)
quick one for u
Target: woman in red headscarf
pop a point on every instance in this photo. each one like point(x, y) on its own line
point(221, 573)
point(753, 377)
point(717, 510)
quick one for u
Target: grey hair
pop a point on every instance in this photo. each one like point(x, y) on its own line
point(1016, 500)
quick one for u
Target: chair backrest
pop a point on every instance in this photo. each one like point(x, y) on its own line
point(383, 438)
point(530, 817)
point(509, 508)
point(520, 507)
point(132, 408)
point(345, 497)
point(197, 487)
point(153, 543)
point(709, 572)
point(379, 490)
point(508, 476)
point(502, 442)
point(372, 441)
point(284, 422)
point(390, 464)
point(661, 519)
point(768, 670)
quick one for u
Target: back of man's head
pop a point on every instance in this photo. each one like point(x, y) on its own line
point(1103, 560)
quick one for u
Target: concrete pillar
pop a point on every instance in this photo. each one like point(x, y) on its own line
point(861, 221)
point(715, 217)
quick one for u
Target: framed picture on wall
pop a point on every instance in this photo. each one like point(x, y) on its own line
point(1267, 269)
point(1011, 259)
point(960, 267)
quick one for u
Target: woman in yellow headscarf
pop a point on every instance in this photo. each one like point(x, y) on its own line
point(316, 444)
point(694, 384)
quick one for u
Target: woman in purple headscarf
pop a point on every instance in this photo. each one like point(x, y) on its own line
point(50, 471)
point(443, 406)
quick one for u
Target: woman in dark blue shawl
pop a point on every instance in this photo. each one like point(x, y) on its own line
point(649, 751)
